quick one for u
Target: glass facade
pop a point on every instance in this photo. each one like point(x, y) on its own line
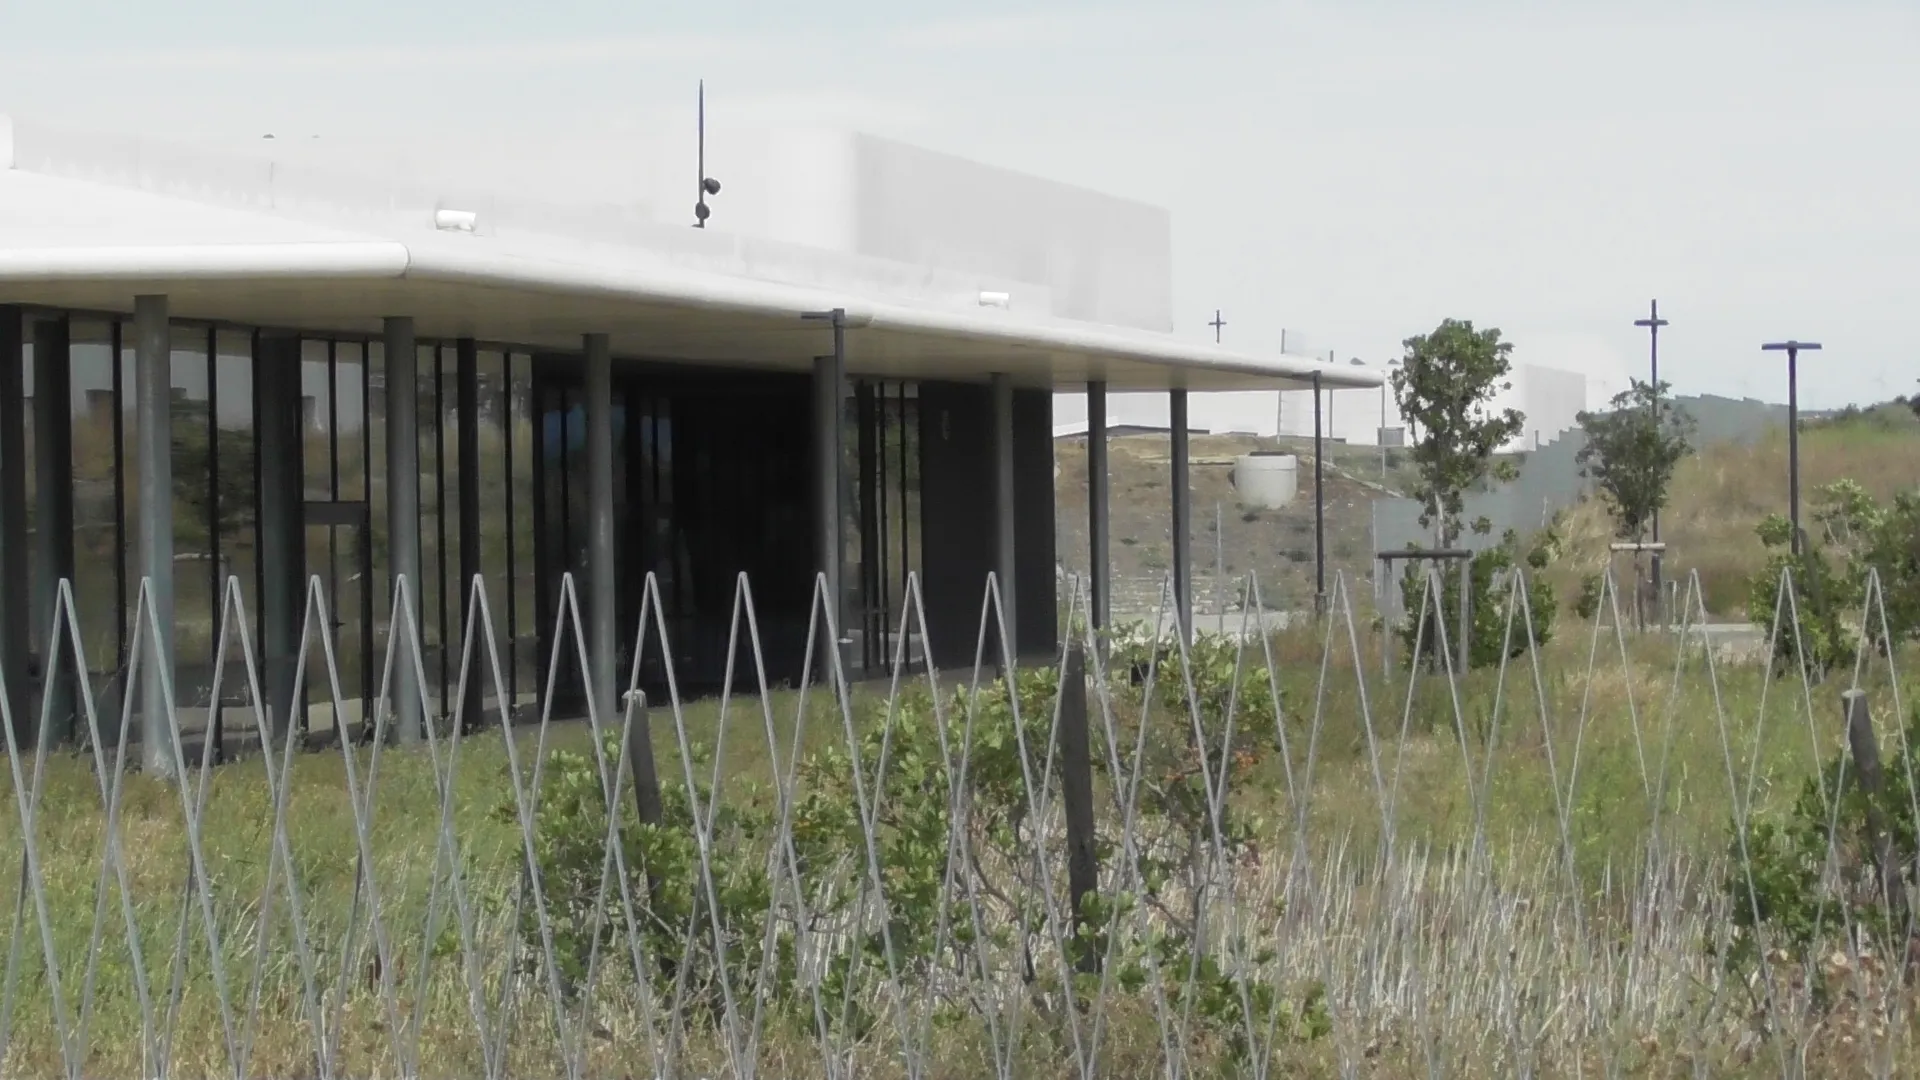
point(712, 479)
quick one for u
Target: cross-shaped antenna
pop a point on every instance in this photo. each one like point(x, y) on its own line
point(1217, 323)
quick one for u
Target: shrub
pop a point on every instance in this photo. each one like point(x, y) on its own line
point(1813, 635)
point(1492, 571)
point(1807, 875)
point(946, 788)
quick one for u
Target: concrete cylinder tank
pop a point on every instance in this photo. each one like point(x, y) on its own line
point(1266, 480)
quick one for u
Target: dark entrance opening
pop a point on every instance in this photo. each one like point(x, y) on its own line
point(710, 481)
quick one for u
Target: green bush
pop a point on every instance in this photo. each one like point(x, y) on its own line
point(1813, 634)
point(1791, 890)
point(1492, 573)
point(946, 790)
point(1587, 606)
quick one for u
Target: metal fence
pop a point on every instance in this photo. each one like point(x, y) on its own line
point(1227, 854)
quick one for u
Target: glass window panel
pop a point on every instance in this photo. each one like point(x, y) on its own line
point(350, 419)
point(316, 421)
point(495, 501)
point(377, 485)
point(35, 573)
point(452, 588)
point(235, 456)
point(194, 569)
point(96, 543)
point(523, 486)
point(433, 524)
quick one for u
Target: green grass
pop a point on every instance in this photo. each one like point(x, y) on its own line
point(1471, 931)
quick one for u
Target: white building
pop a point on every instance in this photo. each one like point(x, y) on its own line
point(223, 359)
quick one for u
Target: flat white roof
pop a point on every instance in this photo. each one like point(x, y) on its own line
point(234, 241)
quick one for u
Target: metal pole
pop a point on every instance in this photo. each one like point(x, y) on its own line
point(53, 491)
point(1466, 614)
point(153, 397)
point(829, 378)
point(1653, 322)
point(1219, 568)
point(1381, 438)
point(16, 630)
point(1793, 443)
point(1097, 515)
point(602, 588)
point(1793, 349)
point(1182, 527)
point(403, 514)
point(1003, 536)
point(1319, 508)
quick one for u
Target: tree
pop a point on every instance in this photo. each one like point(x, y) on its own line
point(1445, 387)
point(1632, 452)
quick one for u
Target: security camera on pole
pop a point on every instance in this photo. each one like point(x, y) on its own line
point(708, 185)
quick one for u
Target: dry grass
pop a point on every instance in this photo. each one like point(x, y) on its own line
point(1529, 886)
point(1722, 492)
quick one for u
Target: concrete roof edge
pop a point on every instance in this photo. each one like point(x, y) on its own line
point(719, 292)
point(302, 259)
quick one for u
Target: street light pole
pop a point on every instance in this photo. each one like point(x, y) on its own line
point(1653, 322)
point(1793, 349)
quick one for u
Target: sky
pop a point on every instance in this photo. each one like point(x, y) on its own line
point(1351, 172)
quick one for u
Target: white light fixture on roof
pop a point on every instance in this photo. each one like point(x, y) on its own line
point(995, 299)
point(455, 220)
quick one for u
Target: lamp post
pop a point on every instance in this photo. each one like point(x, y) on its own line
point(1653, 322)
point(1793, 349)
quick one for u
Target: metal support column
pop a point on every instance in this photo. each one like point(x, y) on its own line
point(1793, 447)
point(1003, 534)
point(53, 497)
point(1653, 322)
point(279, 428)
point(466, 406)
point(16, 629)
point(1182, 527)
point(1098, 516)
point(1793, 348)
point(1319, 506)
point(403, 515)
point(153, 400)
point(600, 594)
point(829, 436)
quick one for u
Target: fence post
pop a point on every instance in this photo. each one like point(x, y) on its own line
point(1466, 613)
point(646, 778)
point(1866, 761)
point(1076, 785)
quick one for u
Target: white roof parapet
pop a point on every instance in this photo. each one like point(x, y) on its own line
point(79, 235)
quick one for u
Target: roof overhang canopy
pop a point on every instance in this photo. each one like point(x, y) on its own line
point(255, 269)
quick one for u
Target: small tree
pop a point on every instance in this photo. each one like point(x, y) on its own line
point(1632, 452)
point(1445, 387)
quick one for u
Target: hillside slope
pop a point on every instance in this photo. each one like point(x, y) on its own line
point(1722, 491)
point(1275, 544)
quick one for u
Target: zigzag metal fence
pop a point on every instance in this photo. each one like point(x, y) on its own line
point(1244, 854)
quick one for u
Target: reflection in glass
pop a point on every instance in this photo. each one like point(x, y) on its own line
point(96, 539)
point(521, 493)
point(195, 617)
